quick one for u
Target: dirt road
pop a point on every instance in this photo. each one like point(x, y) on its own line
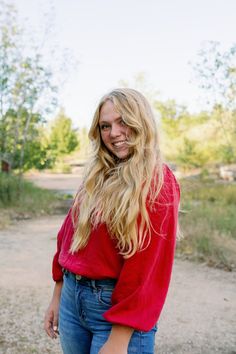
point(61, 182)
point(199, 316)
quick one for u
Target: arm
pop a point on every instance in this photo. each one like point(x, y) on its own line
point(118, 340)
point(141, 290)
point(51, 315)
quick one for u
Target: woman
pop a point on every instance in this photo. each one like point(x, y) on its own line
point(116, 246)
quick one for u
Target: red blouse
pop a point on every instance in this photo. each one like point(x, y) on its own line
point(143, 279)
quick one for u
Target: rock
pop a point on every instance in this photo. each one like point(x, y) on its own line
point(228, 172)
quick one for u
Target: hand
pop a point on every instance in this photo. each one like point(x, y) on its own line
point(51, 315)
point(118, 340)
point(51, 320)
point(110, 347)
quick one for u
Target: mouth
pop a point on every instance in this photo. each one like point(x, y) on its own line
point(119, 143)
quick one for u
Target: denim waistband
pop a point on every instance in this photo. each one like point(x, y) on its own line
point(90, 282)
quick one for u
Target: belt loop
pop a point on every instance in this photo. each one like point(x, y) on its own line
point(65, 272)
point(93, 283)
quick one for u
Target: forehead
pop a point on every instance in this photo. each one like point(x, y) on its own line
point(108, 112)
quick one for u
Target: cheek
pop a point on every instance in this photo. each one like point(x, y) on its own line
point(104, 137)
point(128, 132)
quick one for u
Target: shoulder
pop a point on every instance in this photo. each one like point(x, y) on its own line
point(169, 177)
point(170, 189)
point(163, 211)
point(67, 223)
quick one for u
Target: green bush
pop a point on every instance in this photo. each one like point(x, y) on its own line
point(208, 223)
point(9, 189)
point(24, 196)
point(61, 167)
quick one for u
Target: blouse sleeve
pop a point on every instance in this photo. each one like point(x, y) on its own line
point(57, 273)
point(141, 290)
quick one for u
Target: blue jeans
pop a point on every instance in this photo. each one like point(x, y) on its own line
point(82, 328)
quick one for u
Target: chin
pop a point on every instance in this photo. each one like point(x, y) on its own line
point(122, 156)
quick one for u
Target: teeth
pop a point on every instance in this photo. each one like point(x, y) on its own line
point(119, 143)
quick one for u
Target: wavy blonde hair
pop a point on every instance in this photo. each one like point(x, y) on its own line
point(115, 191)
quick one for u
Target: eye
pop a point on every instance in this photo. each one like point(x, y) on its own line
point(104, 126)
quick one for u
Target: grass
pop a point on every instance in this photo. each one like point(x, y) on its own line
point(21, 199)
point(208, 222)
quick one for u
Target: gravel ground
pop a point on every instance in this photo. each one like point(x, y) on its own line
point(199, 316)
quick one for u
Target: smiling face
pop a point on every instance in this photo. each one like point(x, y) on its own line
point(114, 132)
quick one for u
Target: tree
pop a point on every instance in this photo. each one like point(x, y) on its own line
point(216, 74)
point(190, 140)
point(189, 154)
point(84, 144)
point(26, 91)
point(63, 138)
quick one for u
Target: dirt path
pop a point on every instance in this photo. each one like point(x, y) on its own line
point(61, 182)
point(199, 316)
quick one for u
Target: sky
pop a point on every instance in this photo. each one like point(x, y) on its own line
point(116, 40)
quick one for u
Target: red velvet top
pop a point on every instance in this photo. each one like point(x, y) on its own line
point(143, 279)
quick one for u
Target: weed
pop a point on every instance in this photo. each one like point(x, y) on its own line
point(209, 223)
point(22, 199)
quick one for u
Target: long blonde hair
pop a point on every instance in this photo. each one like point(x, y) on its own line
point(115, 192)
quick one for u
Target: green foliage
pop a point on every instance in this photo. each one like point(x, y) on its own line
point(61, 167)
point(63, 138)
point(37, 156)
point(204, 245)
point(227, 154)
point(223, 194)
point(24, 197)
point(26, 93)
point(197, 140)
point(185, 135)
point(190, 155)
point(83, 143)
point(208, 222)
point(9, 189)
point(215, 71)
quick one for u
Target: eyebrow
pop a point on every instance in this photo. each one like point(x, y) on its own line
point(107, 122)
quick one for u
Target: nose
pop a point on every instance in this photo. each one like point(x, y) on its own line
point(115, 131)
